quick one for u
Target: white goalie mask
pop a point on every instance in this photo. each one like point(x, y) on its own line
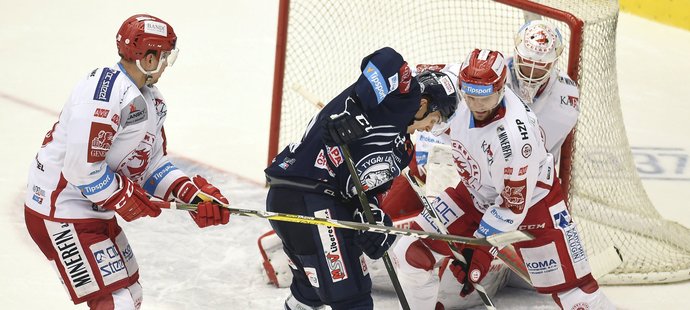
point(538, 45)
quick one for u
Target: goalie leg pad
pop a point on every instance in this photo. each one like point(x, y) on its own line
point(276, 264)
point(416, 271)
point(587, 296)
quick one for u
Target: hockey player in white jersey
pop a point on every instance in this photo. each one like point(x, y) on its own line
point(508, 183)
point(549, 92)
point(106, 155)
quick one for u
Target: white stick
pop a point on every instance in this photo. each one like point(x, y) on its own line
point(308, 95)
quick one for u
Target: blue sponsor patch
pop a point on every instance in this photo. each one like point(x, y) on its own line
point(378, 83)
point(487, 230)
point(477, 90)
point(158, 175)
point(422, 157)
point(105, 84)
point(562, 219)
point(102, 183)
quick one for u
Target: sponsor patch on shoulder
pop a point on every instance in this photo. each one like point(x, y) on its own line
point(104, 87)
point(136, 112)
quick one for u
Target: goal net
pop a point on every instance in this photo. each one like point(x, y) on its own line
point(321, 43)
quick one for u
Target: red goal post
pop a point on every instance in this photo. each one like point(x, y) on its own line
point(320, 45)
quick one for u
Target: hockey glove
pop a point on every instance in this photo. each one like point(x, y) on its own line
point(130, 201)
point(479, 261)
point(346, 127)
point(374, 244)
point(208, 198)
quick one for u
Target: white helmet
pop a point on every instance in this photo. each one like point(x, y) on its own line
point(538, 45)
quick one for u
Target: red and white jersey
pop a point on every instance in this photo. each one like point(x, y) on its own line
point(503, 163)
point(107, 126)
point(556, 106)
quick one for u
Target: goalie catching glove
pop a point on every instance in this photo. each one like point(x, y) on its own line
point(374, 244)
point(208, 198)
point(130, 201)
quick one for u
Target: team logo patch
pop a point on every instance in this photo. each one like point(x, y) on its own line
point(374, 170)
point(136, 162)
point(466, 165)
point(100, 140)
point(580, 306)
point(513, 195)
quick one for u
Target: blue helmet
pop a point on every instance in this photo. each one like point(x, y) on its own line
point(438, 89)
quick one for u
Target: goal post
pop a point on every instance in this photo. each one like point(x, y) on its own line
point(320, 44)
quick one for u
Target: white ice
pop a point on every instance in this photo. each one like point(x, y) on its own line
point(218, 96)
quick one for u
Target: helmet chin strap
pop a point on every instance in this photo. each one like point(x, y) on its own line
point(149, 74)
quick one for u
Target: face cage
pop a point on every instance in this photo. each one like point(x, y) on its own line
point(167, 57)
point(441, 126)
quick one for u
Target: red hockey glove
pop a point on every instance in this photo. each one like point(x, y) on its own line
point(209, 200)
point(130, 201)
point(479, 259)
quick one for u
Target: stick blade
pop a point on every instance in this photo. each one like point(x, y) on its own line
point(502, 239)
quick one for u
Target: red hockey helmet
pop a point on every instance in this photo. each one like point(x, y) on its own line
point(483, 73)
point(141, 33)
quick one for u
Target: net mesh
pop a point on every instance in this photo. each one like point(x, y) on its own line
point(326, 41)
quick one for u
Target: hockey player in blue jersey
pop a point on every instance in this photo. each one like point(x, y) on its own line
point(310, 177)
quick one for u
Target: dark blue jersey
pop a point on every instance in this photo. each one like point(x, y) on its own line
point(389, 97)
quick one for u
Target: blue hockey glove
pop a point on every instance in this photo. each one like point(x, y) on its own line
point(374, 244)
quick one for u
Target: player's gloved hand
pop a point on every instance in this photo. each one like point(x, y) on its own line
point(208, 199)
point(346, 127)
point(374, 244)
point(130, 201)
point(479, 260)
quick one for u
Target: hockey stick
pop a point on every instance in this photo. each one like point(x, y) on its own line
point(506, 254)
point(370, 218)
point(498, 240)
point(414, 183)
point(308, 95)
